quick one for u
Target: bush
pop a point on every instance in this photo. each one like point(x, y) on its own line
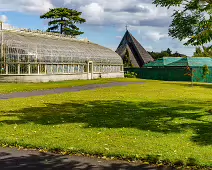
point(206, 71)
point(130, 75)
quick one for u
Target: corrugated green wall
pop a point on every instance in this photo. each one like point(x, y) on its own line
point(198, 75)
point(175, 69)
point(171, 74)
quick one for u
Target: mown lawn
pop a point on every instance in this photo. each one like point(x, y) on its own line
point(153, 121)
point(23, 87)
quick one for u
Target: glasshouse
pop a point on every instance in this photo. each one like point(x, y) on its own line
point(34, 56)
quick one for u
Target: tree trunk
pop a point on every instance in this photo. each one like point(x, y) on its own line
point(61, 26)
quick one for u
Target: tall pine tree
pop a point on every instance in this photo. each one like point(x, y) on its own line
point(126, 59)
point(63, 21)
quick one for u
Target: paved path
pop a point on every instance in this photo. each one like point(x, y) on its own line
point(63, 90)
point(12, 159)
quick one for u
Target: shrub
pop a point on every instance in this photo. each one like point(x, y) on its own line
point(206, 71)
point(130, 75)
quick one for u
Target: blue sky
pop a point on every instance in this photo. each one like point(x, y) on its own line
point(106, 20)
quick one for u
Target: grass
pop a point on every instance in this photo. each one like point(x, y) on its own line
point(156, 121)
point(23, 87)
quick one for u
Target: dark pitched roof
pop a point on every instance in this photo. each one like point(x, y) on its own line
point(138, 55)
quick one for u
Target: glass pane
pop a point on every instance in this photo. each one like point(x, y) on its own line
point(107, 69)
point(71, 69)
point(65, 68)
point(12, 58)
point(24, 69)
point(85, 68)
point(23, 58)
point(97, 69)
point(32, 58)
point(65, 59)
point(81, 68)
point(41, 58)
point(46, 59)
point(13, 50)
point(1, 58)
point(3, 70)
point(103, 69)
point(48, 69)
point(90, 67)
point(54, 69)
point(60, 68)
point(34, 69)
point(12, 68)
point(76, 69)
point(42, 69)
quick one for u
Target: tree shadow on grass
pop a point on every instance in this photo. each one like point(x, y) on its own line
point(150, 116)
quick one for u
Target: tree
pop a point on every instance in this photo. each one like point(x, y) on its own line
point(169, 51)
point(176, 54)
point(63, 21)
point(126, 59)
point(205, 71)
point(190, 72)
point(165, 54)
point(194, 22)
point(204, 52)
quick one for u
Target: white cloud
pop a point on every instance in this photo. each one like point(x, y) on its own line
point(149, 22)
point(94, 13)
point(3, 18)
point(155, 36)
point(148, 48)
point(102, 12)
point(119, 37)
point(30, 6)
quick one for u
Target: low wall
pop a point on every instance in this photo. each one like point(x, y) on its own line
point(49, 78)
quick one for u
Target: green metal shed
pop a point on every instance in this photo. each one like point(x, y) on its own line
point(177, 69)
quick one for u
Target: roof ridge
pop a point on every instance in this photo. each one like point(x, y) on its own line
point(139, 53)
point(137, 44)
point(45, 34)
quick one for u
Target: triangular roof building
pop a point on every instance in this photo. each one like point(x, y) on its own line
point(137, 54)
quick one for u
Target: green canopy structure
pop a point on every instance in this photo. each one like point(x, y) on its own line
point(196, 69)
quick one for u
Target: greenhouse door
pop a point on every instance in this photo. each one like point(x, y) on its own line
point(90, 70)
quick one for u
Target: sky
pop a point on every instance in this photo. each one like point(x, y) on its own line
point(106, 21)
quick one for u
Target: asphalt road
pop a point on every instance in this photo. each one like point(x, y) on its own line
point(13, 159)
point(63, 90)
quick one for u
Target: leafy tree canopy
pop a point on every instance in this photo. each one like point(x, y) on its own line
point(167, 53)
point(203, 52)
point(126, 59)
point(192, 22)
point(63, 21)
